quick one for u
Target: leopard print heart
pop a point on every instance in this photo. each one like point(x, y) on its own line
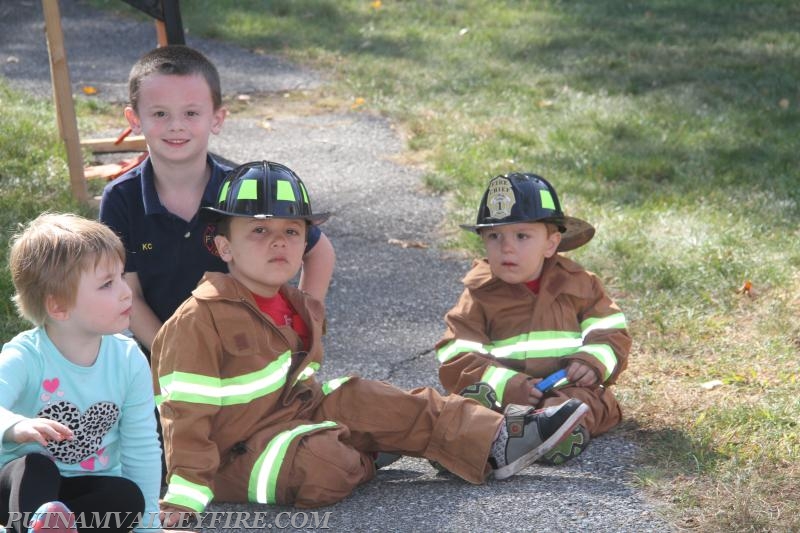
point(88, 428)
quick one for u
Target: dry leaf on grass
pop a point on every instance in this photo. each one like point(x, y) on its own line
point(713, 384)
point(747, 289)
point(408, 244)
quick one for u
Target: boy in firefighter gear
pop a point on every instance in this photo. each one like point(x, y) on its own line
point(527, 311)
point(245, 419)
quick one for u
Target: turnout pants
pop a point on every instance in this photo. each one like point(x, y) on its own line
point(321, 459)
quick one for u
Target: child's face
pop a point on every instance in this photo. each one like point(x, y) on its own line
point(103, 300)
point(517, 252)
point(176, 115)
point(263, 254)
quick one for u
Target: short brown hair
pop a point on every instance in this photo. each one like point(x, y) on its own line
point(48, 257)
point(173, 60)
point(552, 228)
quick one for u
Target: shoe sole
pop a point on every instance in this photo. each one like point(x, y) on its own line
point(555, 458)
point(529, 458)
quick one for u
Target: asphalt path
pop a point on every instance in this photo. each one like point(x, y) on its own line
point(386, 301)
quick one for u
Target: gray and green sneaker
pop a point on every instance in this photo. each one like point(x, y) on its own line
point(528, 434)
point(567, 449)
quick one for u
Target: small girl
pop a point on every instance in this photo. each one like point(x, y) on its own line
point(79, 447)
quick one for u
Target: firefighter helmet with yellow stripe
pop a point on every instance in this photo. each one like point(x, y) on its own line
point(263, 189)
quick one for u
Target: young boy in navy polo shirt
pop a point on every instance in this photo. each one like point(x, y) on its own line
point(176, 103)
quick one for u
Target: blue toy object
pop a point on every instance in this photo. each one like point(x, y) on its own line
point(547, 383)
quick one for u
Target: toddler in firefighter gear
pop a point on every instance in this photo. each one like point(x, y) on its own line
point(245, 419)
point(527, 312)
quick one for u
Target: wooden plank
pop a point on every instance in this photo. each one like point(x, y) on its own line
point(161, 33)
point(102, 171)
point(134, 143)
point(62, 93)
point(112, 170)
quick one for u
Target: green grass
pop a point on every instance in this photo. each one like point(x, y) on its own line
point(33, 178)
point(671, 125)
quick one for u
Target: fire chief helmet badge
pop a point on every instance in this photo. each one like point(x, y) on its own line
point(500, 198)
point(516, 198)
point(263, 189)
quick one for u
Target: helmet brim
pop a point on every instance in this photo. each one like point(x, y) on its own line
point(576, 232)
point(212, 214)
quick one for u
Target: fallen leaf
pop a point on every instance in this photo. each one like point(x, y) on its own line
point(89, 90)
point(12, 59)
point(713, 384)
point(407, 244)
point(463, 31)
point(376, 4)
point(243, 97)
point(784, 103)
point(358, 102)
point(747, 289)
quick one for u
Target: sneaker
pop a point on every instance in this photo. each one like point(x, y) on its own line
point(530, 433)
point(384, 459)
point(567, 449)
point(52, 517)
point(436, 465)
point(483, 393)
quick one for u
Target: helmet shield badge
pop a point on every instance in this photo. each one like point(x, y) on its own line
point(500, 198)
point(518, 198)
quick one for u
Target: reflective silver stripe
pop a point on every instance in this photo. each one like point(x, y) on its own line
point(457, 346)
point(197, 388)
point(538, 345)
point(333, 384)
point(605, 355)
point(498, 378)
point(187, 494)
point(307, 372)
point(264, 478)
point(615, 321)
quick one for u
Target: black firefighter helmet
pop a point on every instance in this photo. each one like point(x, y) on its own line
point(263, 189)
point(514, 198)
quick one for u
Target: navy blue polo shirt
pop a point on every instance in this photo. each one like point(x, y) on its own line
point(169, 254)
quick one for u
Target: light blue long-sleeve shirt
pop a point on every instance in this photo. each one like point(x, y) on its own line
point(109, 406)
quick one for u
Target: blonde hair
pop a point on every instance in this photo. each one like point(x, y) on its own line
point(48, 257)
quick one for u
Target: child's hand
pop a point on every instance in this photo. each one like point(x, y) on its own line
point(581, 375)
point(534, 395)
point(39, 430)
point(173, 516)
